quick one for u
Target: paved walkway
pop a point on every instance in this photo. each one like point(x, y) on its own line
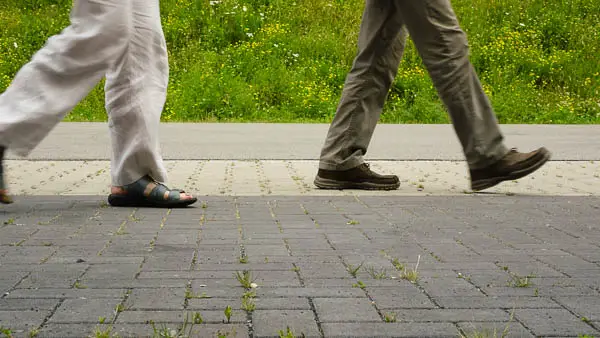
point(428, 260)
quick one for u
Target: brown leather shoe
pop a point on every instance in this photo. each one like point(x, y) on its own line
point(512, 166)
point(360, 177)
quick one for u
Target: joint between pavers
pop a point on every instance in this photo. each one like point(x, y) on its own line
point(14, 287)
point(121, 306)
point(573, 313)
point(52, 312)
point(513, 316)
point(79, 278)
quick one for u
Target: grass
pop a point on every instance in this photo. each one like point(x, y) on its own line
point(487, 333)
point(289, 333)
point(248, 302)
point(5, 332)
point(359, 284)
point(245, 279)
point(227, 313)
point(389, 317)
point(517, 281)
point(286, 61)
point(163, 331)
point(353, 270)
point(377, 273)
point(411, 275)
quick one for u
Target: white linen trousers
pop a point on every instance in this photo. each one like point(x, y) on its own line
point(121, 40)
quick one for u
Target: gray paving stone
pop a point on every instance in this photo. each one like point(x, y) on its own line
point(553, 322)
point(167, 263)
point(311, 292)
point(491, 302)
point(133, 283)
point(70, 330)
point(475, 234)
point(401, 296)
point(389, 330)
point(16, 304)
point(584, 306)
point(541, 291)
point(217, 288)
point(267, 323)
point(84, 310)
point(282, 303)
point(450, 315)
point(24, 255)
point(116, 271)
point(157, 299)
point(66, 293)
point(328, 282)
point(7, 284)
point(323, 270)
point(345, 310)
point(448, 286)
point(249, 266)
point(22, 320)
point(96, 260)
point(215, 304)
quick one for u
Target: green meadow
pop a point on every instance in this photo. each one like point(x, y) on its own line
point(286, 60)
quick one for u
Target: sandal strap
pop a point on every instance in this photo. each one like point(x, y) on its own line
point(140, 188)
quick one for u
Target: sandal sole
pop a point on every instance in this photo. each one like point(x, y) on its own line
point(126, 201)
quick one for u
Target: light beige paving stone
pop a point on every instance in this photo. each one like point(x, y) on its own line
point(291, 177)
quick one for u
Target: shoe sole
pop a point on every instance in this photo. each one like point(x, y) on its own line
point(327, 184)
point(515, 175)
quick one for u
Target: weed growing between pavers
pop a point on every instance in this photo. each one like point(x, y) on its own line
point(162, 331)
point(288, 333)
point(6, 332)
point(359, 284)
point(377, 273)
point(248, 303)
point(104, 333)
point(411, 275)
point(353, 270)
point(389, 317)
point(396, 263)
point(245, 279)
point(189, 294)
point(227, 313)
point(519, 281)
point(486, 333)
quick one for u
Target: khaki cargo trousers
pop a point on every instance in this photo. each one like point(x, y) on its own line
point(443, 47)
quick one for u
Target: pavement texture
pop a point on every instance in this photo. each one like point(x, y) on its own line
point(428, 260)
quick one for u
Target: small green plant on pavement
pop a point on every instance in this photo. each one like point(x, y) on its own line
point(288, 333)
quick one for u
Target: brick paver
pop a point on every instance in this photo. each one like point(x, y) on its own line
point(295, 178)
point(325, 266)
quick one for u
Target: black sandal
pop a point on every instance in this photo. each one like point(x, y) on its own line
point(147, 193)
point(4, 196)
